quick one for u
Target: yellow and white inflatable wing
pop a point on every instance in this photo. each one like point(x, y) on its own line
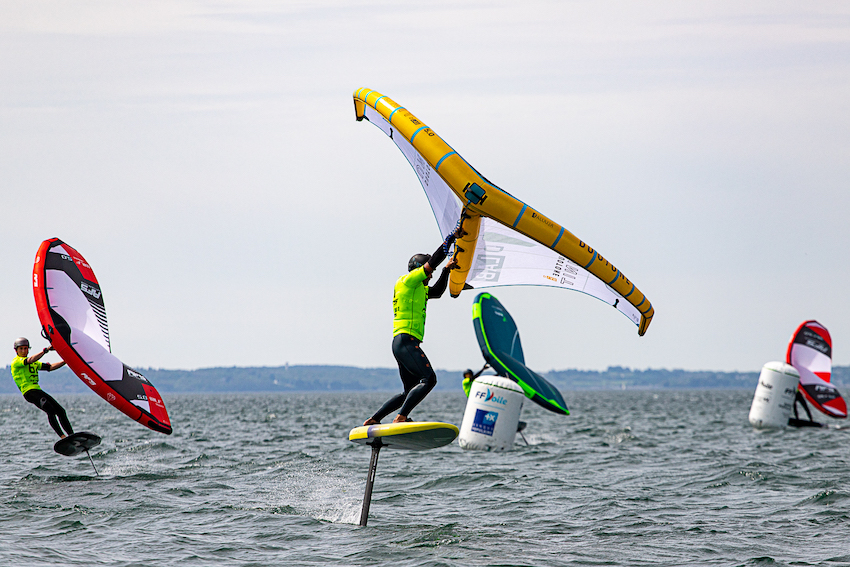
point(507, 242)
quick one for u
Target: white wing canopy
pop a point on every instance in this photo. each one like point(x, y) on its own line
point(503, 256)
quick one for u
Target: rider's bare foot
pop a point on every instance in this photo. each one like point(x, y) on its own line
point(371, 421)
point(401, 419)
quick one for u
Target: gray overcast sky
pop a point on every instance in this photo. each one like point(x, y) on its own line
point(204, 157)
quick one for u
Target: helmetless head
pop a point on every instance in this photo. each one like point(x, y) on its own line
point(417, 261)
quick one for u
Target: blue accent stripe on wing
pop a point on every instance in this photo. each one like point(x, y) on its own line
point(393, 112)
point(593, 259)
point(451, 153)
point(524, 206)
point(557, 240)
point(630, 292)
point(615, 278)
point(417, 131)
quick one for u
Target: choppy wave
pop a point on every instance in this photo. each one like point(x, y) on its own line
point(629, 478)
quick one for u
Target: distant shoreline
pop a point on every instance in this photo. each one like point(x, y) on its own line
point(316, 378)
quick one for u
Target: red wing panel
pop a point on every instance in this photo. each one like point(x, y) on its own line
point(826, 398)
point(810, 352)
point(71, 310)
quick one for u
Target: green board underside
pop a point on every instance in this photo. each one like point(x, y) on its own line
point(532, 385)
point(528, 389)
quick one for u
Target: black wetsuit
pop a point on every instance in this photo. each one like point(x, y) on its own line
point(415, 370)
point(802, 400)
point(43, 401)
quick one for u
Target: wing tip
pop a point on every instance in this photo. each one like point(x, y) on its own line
point(644, 324)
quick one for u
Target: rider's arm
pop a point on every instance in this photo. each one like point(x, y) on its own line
point(437, 290)
point(37, 357)
point(440, 254)
point(51, 366)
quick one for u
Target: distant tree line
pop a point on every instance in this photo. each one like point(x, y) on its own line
point(349, 378)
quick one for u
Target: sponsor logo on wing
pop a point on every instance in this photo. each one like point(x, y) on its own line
point(86, 377)
point(487, 268)
point(110, 397)
point(537, 216)
point(136, 375)
point(818, 345)
point(491, 397)
point(813, 340)
point(91, 290)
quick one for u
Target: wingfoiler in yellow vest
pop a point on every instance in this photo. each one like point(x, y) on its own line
point(26, 375)
point(410, 300)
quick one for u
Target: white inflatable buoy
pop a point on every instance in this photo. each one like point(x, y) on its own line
point(774, 397)
point(492, 414)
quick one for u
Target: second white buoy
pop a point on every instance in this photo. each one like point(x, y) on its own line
point(774, 397)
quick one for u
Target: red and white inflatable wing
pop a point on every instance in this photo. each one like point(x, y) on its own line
point(71, 310)
point(810, 352)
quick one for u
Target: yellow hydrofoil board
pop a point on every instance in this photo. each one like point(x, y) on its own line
point(413, 435)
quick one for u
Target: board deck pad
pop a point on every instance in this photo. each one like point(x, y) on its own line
point(412, 435)
point(76, 443)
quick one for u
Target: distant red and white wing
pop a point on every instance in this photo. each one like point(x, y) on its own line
point(810, 352)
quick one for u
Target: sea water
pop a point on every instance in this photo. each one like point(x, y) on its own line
point(628, 478)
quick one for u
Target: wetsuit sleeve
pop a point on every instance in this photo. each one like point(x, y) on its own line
point(436, 291)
